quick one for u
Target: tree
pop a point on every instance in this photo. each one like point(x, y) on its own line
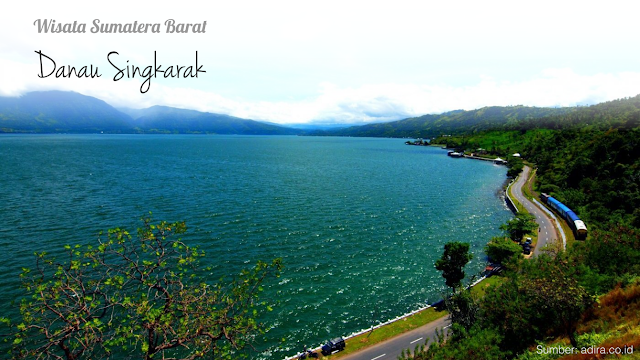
point(517, 227)
point(463, 307)
point(515, 166)
point(510, 312)
point(543, 298)
point(136, 297)
point(455, 257)
point(556, 295)
point(502, 250)
point(477, 344)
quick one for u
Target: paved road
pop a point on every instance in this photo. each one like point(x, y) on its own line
point(547, 232)
point(392, 348)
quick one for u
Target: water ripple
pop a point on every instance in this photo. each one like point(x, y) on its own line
point(358, 222)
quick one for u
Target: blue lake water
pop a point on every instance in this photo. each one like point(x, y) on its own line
point(359, 222)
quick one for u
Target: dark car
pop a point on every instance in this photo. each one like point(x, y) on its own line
point(333, 346)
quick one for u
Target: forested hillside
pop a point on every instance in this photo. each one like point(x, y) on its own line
point(168, 119)
point(617, 113)
point(70, 112)
point(452, 122)
point(587, 296)
point(60, 111)
point(588, 158)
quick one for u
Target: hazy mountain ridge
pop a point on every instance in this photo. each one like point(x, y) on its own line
point(620, 113)
point(71, 112)
point(451, 122)
point(60, 111)
point(159, 118)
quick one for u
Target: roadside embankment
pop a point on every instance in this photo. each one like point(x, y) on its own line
point(510, 203)
point(392, 330)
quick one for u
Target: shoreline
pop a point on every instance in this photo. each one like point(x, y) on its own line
point(356, 334)
point(510, 204)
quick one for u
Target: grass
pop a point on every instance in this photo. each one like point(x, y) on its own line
point(530, 193)
point(520, 207)
point(568, 233)
point(527, 190)
point(481, 289)
point(613, 322)
point(424, 317)
point(389, 331)
point(515, 201)
point(409, 323)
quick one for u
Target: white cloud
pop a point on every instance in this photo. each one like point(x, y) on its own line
point(335, 104)
point(353, 62)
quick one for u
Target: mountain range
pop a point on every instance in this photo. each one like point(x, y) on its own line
point(71, 112)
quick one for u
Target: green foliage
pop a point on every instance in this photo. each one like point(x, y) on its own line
point(519, 226)
point(595, 173)
point(588, 160)
point(452, 122)
point(514, 165)
point(144, 296)
point(556, 294)
point(502, 250)
point(69, 112)
point(463, 307)
point(166, 119)
point(543, 298)
point(607, 257)
point(60, 111)
point(511, 122)
point(477, 343)
point(507, 310)
point(456, 255)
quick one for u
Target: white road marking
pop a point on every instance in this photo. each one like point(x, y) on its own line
point(378, 357)
point(416, 340)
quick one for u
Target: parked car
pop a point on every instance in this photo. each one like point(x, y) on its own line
point(333, 346)
point(308, 354)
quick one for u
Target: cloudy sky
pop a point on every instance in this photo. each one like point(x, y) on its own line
point(336, 61)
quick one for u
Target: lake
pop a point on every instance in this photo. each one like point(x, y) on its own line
point(359, 222)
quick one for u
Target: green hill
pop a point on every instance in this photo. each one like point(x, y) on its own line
point(622, 113)
point(60, 111)
point(70, 112)
point(452, 122)
point(169, 119)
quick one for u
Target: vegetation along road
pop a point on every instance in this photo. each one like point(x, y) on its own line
point(392, 348)
point(547, 233)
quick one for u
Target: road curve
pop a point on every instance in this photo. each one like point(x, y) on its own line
point(391, 348)
point(547, 231)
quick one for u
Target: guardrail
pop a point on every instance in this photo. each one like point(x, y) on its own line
point(510, 204)
point(386, 322)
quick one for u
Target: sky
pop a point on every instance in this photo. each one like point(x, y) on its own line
point(326, 62)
